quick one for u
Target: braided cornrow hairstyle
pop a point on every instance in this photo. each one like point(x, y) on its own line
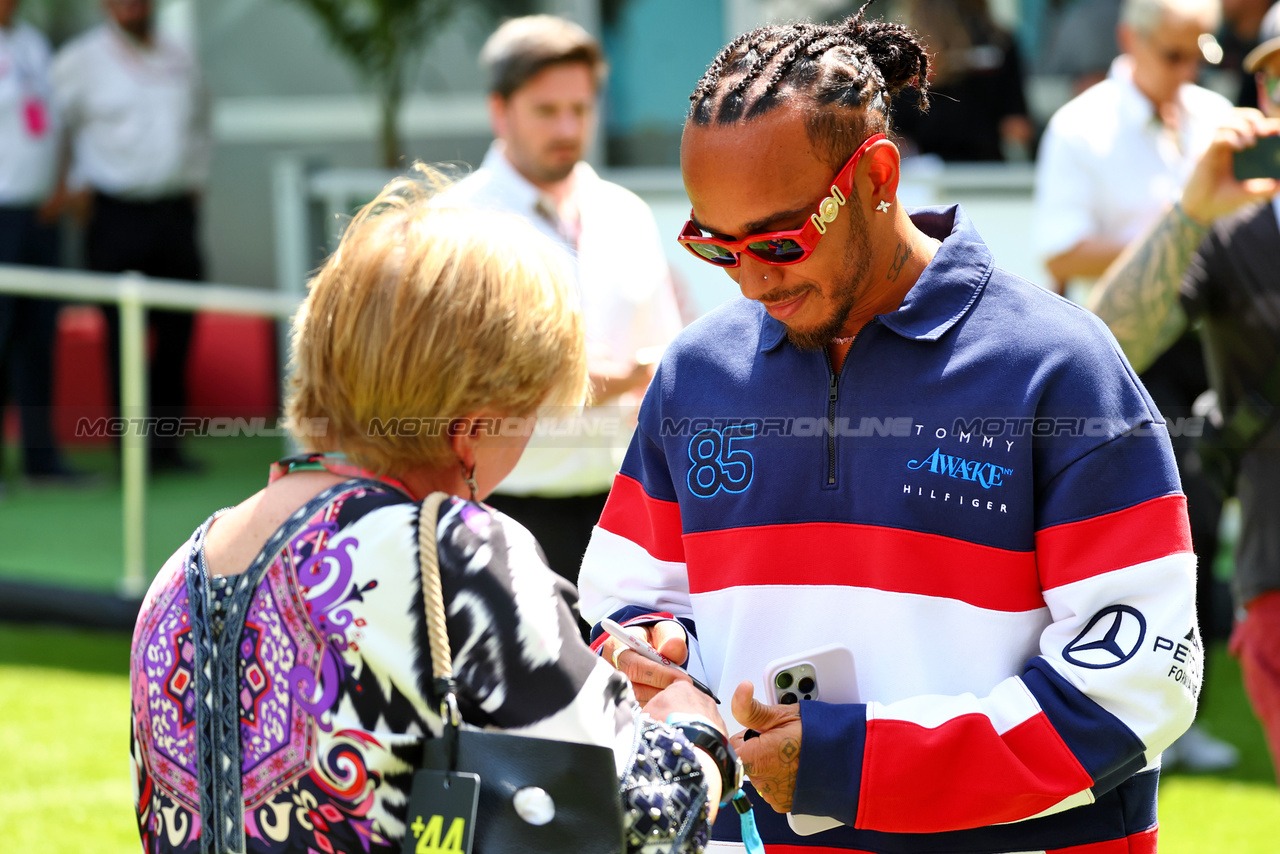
point(848, 72)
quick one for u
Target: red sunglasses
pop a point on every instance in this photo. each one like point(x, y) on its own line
point(778, 248)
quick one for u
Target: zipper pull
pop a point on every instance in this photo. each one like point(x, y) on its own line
point(831, 388)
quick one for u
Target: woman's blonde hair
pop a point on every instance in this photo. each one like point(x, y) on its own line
point(426, 314)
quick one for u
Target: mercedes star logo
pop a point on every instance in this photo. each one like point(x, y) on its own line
point(1112, 637)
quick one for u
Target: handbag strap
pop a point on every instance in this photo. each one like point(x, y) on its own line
point(432, 595)
point(437, 632)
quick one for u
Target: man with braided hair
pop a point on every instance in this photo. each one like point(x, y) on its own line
point(893, 446)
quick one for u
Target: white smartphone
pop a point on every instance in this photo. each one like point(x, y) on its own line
point(827, 674)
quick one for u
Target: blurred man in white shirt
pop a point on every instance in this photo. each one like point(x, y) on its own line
point(544, 77)
point(28, 156)
point(1114, 158)
point(137, 121)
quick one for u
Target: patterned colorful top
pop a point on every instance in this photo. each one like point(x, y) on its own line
point(315, 676)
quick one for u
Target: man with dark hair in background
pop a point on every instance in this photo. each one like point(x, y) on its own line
point(894, 447)
point(136, 117)
point(1226, 274)
point(544, 76)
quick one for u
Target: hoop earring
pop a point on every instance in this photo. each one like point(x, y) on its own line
point(469, 478)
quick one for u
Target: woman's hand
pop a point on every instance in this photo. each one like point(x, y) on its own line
point(681, 698)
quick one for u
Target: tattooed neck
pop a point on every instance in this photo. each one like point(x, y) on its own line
point(900, 255)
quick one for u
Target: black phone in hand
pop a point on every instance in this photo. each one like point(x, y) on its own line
point(1259, 161)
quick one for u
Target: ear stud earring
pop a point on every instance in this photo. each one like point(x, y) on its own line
point(883, 206)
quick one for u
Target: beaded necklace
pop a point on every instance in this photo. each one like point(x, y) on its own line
point(334, 464)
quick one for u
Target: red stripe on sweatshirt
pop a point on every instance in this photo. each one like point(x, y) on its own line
point(918, 779)
point(1137, 843)
point(870, 556)
point(652, 524)
point(1092, 547)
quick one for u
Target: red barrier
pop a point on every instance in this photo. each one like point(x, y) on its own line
point(231, 370)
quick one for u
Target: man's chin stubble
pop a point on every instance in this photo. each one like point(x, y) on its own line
point(813, 339)
point(818, 337)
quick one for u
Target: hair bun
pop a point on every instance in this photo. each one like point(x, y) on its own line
point(894, 50)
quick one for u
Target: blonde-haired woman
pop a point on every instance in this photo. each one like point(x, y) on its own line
point(281, 680)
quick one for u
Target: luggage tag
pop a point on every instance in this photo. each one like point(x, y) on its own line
point(442, 813)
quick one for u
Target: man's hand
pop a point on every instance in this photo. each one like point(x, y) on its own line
point(772, 758)
point(648, 677)
point(1138, 296)
point(1212, 190)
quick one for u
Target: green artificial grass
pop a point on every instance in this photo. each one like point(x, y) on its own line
point(1237, 811)
point(1209, 815)
point(64, 739)
point(64, 704)
point(72, 536)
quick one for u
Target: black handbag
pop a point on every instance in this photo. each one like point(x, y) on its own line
point(522, 794)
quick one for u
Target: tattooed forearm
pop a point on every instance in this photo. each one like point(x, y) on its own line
point(900, 256)
point(1138, 296)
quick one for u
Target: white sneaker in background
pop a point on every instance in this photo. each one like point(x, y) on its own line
point(1196, 750)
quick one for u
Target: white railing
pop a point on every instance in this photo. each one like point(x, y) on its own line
point(134, 294)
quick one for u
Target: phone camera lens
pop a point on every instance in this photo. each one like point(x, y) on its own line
point(806, 685)
point(789, 699)
point(783, 680)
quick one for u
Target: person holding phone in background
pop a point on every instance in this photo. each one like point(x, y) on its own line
point(1207, 262)
point(1110, 161)
point(855, 454)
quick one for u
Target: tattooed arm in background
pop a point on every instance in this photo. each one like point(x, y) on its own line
point(1138, 295)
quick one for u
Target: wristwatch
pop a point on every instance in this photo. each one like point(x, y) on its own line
point(703, 734)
